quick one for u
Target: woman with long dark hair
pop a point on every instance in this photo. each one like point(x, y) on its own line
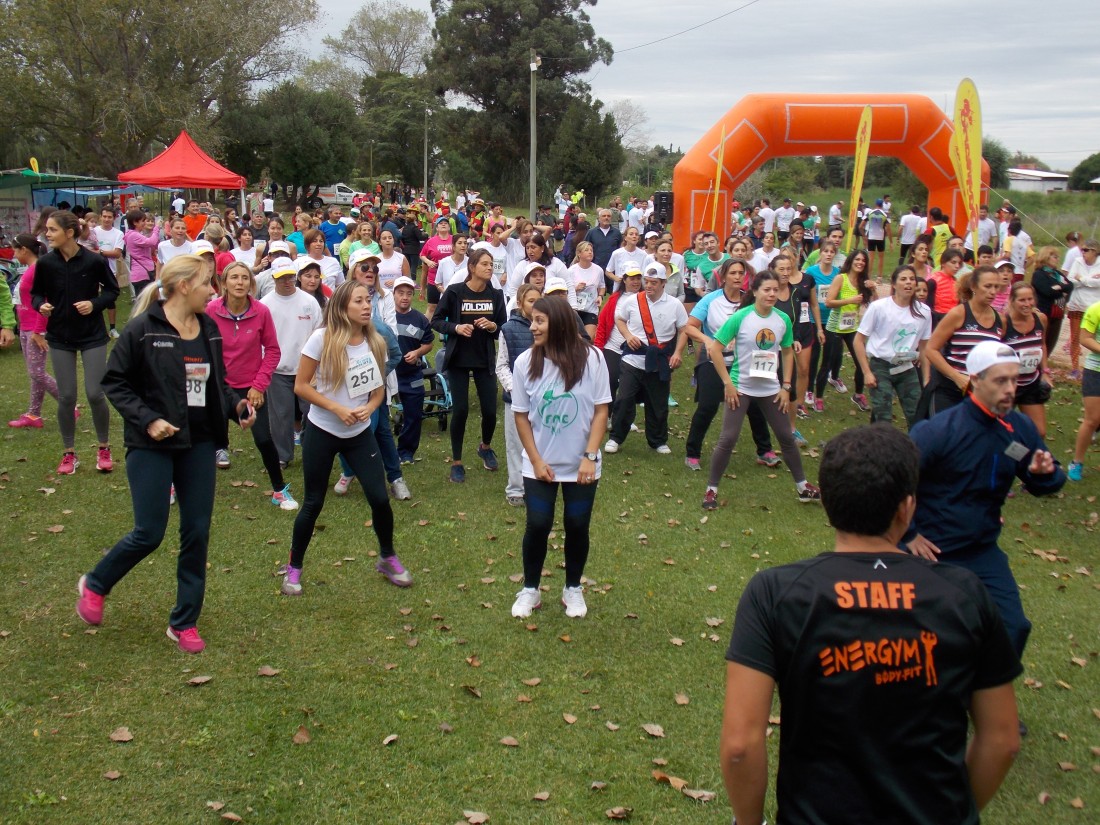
point(560, 399)
point(1025, 333)
point(846, 295)
point(32, 328)
point(1052, 290)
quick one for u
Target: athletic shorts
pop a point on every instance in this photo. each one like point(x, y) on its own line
point(1037, 392)
point(1090, 384)
point(876, 246)
point(805, 334)
point(433, 294)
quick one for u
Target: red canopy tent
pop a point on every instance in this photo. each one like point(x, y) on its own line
point(183, 165)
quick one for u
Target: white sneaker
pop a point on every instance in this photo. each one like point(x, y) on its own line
point(527, 601)
point(113, 333)
point(573, 599)
point(221, 459)
point(664, 449)
point(400, 490)
point(634, 428)
point(342, 484)
point(612, 446)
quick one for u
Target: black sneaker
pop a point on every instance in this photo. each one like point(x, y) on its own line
point(488, 458)
point(809, 493)
point(458, 473)
point(710, 500)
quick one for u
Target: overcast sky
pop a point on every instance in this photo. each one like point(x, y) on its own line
point(1037, 80)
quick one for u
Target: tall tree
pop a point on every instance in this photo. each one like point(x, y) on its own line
point(999, 160)
point(632, 124)
point(104, 80)
point(482, 55)
point(385, 38)
point(394, 106)
point(1085, 171)
point(585, 151)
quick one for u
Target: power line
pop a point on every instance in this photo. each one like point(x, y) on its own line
point(685, 31)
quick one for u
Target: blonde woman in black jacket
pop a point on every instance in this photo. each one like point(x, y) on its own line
point(166, 377)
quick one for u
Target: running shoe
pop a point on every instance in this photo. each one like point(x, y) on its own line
point(68, 465)
point(769, 459)
point(400, 490)
point(171, 495)
point(189, 641)
point(710, 500)
point(90, 605)
point(221, 459)
point(692, 463)
point(672, 402)
point(392, 569)
point(664, 449)
point(819, 405)
point(103, 462)
point(1074, 375)
point(406, 459)
point(612, 446)
point(488, 458)
point(342, 484)
point(517, 501)
point(573, 599)
point(802, 412)
point(838, 385)
point(809, 493)
point(284, 499)
point(292, 581)
point(800, 439)
point(113, 333)
point(860, 400)
point(527, 601)
point(297, 438)
point(1076, 471)
point(27, 420)
point(808, 400)
point(458, 473)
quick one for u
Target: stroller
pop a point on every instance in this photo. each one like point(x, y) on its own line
point(437, 398)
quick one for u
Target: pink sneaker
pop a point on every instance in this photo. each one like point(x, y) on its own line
point(104, 463)
point(819, 405)
point(27, 420)
point(189, 641)
point(68, 465)
point(90, 605)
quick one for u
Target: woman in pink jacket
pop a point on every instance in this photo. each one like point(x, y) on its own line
point(251, 352)
point(32, 334)
point(141, 239)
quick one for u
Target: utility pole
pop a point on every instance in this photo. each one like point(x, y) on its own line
point(536, 61)
point(424, 193)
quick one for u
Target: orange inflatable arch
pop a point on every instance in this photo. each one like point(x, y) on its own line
point(765, 126)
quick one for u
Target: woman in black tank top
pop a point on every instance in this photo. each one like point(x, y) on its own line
point(1025, 331)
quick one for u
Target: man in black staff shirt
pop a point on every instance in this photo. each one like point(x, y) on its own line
point(879, 656)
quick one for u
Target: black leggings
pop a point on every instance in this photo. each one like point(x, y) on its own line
point(319, 450)
point(541, 498)
point(261, 434)
point(485, 382)
point(833, 357)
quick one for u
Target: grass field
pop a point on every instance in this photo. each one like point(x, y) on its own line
point(442, 666)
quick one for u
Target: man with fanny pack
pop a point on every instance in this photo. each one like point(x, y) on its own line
point(653, 325)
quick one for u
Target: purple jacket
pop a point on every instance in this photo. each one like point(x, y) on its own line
point(249, 346)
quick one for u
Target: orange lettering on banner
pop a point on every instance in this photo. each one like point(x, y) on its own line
point(875, 595)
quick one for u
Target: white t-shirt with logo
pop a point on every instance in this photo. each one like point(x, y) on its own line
point(783, 217)
point(588, 299)
point(668, 316)
point(109, 239)
point(295, 318)
point(561, 420)
point(893, 333)
point(757, 342)
point(876, 224)
point(500, 259)
point(354, 390)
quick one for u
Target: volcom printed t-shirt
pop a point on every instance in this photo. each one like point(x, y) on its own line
point(757, 342)
point(561, 419)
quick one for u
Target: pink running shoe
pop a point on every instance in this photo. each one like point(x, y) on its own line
point(90, 605)
point(189, 641)
point(819, 405)
point(27, 420)
point(104, 463)
point(68, 465)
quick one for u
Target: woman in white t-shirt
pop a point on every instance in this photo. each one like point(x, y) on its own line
point(454, 265)
point(889, 344)
point(629, 251)
point(762, 258)
point(341, 377)
point(589, 286)
point(177, 244)
point(392, 264)
point(560, 399)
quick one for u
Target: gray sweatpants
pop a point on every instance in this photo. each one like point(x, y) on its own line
point(731, 429)
point(64, 371)
point(280, 414)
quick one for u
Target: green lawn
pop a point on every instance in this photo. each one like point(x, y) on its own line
point(442, 666)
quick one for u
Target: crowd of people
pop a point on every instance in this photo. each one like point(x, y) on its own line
point(308, 338)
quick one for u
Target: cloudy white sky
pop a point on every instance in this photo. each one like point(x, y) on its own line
point(1037, 78)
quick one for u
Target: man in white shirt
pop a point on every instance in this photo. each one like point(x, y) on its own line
point(110, 247)
point(783, 217)
point(836, 214)
point(908, 230)
point(874, 227)
point(296, 314)
point(178, 204)
point(653, 325)
point(636, 217)
point(768, 214)
point(987, 231)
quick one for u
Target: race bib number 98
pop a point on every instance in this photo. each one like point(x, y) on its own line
point(363, 376)
point(197, 376)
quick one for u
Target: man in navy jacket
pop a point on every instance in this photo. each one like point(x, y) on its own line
point(970, 455)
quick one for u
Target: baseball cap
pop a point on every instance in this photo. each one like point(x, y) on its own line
point(360, 255)
point(878, 202)
point(283, 266)
point(786, 200)
point(354, 212)
point(442, 219)
point(279, 246)
point(631, 268)
point(988, 354)
point(531, 267)
point(202, 248)
point(555, 284)
point(736, 204)
point(655, 270)
point(307, 263)
point(403, 281)
point(1005, 262)
point(800, 203)
point(813, 208)
point(652, 234)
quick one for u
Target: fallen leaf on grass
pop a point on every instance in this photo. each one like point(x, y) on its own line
point(473, 691)
point(541, 796)
point(232, 817)
point(510, 742)
point(677, 642)
point(531, 627)
point(566, 638)
point(681, 699)
point(488, 580)
point(1066, 766)
point(597, 786)
point(569, 718)
point(267, 670)
point(611, 726)
point(423, 522)
point(1077, 802)
point(516, 578)
point(389, 740)
point(714, 621)
point(301, 736)
point(47, 490)
point(112, 775)
point(473, 661)
point(476, 817)
point(389, 666)
point(532, 682)
point(443, 726)
point(674, 781)
point(1063, 685)
point(1044, 798)
point(404, 611)
point(523, 698)
point(660, 761)
point(1077, 660)
point(618, 812)
point(698, 795)
point(121, 735)
point(654, 730)
point(56, 528)
point(215, 806)
point(199, 680)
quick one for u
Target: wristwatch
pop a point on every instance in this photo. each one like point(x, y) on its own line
point(786, 386)
point(592, 456)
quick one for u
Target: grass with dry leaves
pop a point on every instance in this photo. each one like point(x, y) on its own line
point(360, 702)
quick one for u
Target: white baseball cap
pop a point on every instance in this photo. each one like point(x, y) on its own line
point(655, 270)
point(403, 281)
point(988, 354)
point(631, 268)
point(283, 266)
point(531, 267)
point(360, 255)
point(202, 248)
point(555, 284)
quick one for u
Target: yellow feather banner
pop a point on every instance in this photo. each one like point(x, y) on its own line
point(34, 165)
point(966, 152)
point(863, 148)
